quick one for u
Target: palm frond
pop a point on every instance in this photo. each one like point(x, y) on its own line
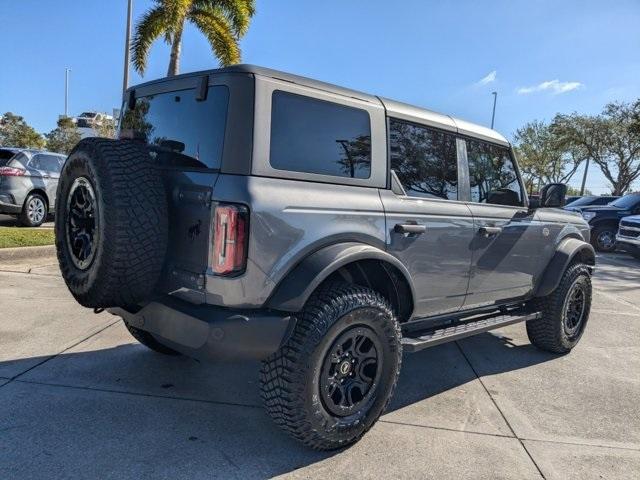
point(152, 24)
point(175, 12)
point(238, 12)
point(219, 30)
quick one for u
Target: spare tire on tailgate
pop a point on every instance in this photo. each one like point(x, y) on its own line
point(111, 223)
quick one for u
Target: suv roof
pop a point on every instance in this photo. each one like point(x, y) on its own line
point(31, 151)
point(403, 110)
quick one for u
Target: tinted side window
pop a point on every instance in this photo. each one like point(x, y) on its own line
point(47, 163)
point(493, 175)
point(424, 159)
point(314, 136)
point(183, 131)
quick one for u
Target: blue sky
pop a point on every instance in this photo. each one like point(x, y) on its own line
point(542, 57)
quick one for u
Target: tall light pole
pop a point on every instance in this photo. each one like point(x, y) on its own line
point(584, 177)
point(66, 91)
point(127, 46)
point(493, 114)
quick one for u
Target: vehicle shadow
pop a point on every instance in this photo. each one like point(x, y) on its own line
point(152, 412)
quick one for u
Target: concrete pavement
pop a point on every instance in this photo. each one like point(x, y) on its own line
point(79, 398)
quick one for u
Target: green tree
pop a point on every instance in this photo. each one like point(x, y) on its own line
point(575, 192)
point(64, 137)
point(223, 22)
point(106, 128)
point(543, 156)
point(15, 132)
point(611, 140)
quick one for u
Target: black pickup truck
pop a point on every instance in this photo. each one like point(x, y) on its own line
point(604, 220)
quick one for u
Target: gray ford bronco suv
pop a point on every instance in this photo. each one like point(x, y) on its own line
point(245, 213)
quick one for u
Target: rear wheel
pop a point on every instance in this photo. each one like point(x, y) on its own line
point(335, 376)
point(34, 211)
point(603, 238)
point(565, 312)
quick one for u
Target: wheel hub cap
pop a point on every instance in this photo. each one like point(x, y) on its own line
point(574, 309)
point(350, 371)
point(82, 222)
point(35, 210)
point(606, 239)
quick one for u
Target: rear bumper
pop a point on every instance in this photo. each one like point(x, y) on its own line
point(212, 333)
point(7, 207)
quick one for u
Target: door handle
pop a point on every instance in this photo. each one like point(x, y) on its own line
point(409, 228)
point(489, 231)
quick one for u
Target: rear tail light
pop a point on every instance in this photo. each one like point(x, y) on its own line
point(11, 172)
point(230, 236)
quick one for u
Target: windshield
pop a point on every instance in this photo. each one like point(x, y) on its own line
point(627, 201)
point(183, 131)
point(580, 201)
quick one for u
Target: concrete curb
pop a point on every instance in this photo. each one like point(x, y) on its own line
point(21, 253)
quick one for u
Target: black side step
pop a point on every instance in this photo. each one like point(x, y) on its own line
point(462, 330)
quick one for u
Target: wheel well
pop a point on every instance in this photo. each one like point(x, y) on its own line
point(382, 277)
point(606, 223)
point(40, 192)
point(585, 256)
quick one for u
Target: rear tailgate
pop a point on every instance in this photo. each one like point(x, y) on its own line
point(185, 130)
point(189, 198)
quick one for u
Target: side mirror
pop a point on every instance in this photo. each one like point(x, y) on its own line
point(553, 195)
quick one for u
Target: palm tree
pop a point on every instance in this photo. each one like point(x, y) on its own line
point(223, 22)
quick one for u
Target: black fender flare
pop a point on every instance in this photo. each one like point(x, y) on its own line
point(567, 250)
point(292, 292)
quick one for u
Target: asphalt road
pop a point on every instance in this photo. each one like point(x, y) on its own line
point(79, 398)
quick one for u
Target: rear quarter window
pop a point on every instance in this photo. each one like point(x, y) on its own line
point(183, 131)
point(316, 136)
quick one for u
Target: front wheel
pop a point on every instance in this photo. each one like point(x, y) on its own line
point(603, 238)
point(335, 376)
point(565, 312)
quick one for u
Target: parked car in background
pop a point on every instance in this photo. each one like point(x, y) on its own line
point(571, 199)
point(604, 220)
point(628, 237)
point(588, 201)
point(28, 183)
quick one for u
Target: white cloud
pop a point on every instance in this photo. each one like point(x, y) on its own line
point(489, 78)
point(554, 86)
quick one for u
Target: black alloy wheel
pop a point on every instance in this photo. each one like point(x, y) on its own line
point(350, 371)
point(82, 222)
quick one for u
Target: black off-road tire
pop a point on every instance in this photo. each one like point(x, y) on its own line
point(549, 332)
point(595, 235)
point(23, 217)
point(149, 341)
point(290, 378)
point(131, 226)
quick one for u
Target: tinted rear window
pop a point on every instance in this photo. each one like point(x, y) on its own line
point(5, 156)
point(46, 163)
point(424, 159)
point(315, 136)
point(183, 131)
